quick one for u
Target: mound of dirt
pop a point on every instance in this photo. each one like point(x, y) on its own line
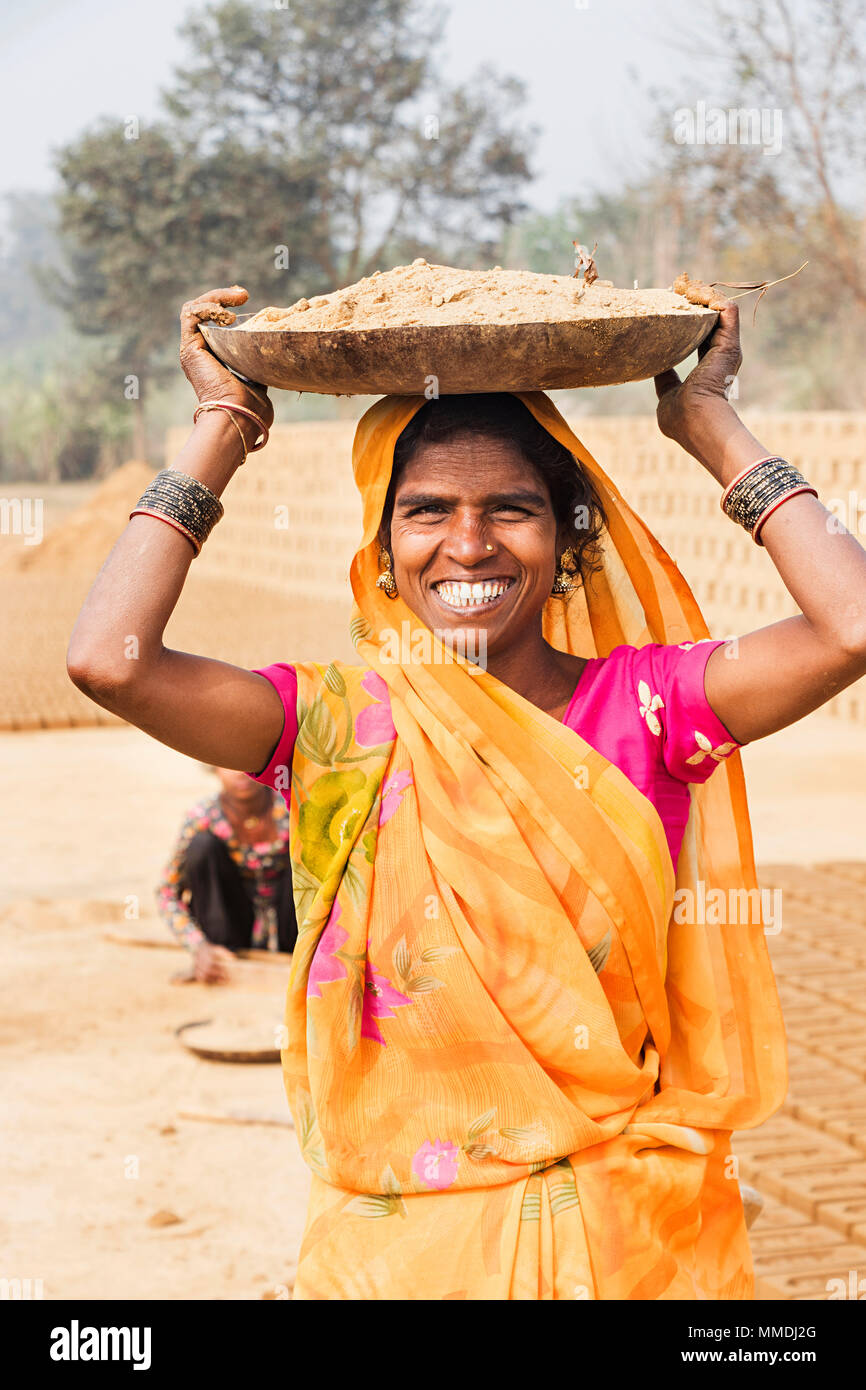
point(426, 294)
point(80, 544)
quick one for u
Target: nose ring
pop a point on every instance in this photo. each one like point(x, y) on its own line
point(488, 547)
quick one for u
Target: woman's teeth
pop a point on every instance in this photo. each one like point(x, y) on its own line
point(470, 595)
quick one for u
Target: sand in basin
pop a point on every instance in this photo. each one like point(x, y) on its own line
point(422, 294)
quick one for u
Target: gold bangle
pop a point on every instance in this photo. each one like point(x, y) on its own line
point(241, 438)
point(214, 405)
point(233, 407)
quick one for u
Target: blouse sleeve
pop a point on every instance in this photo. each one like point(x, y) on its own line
point(170, 889)
point(693, 740)
point(277, 772)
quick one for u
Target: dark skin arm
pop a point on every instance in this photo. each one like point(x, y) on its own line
point(779, 673)
point(210, 710)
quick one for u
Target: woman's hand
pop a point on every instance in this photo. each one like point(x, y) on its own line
point(696, 413)
point(210, 380)
point(211, 964)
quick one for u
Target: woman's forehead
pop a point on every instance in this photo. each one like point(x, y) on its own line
point(465, 456)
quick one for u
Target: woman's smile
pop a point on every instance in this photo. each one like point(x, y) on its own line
point(475, 596)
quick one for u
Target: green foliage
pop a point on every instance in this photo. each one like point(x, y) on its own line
point(57, 424)
point(346, 97)
point(54, 423)
point(314, 162)
point(304, 145)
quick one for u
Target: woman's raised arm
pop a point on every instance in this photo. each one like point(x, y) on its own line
point(782, 672)
point(207, 709)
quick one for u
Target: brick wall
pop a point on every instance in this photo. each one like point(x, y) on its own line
point(293, 515)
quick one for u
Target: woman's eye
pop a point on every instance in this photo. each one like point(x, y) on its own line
point(437, 507)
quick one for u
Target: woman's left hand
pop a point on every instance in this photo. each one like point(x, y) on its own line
point(692, 412)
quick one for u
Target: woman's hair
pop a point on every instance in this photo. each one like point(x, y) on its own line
point(575, 501)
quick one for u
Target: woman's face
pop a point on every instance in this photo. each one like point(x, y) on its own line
point(237, 784)
point(453, 500)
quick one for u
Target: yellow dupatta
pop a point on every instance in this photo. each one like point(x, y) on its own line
point(511, 1072)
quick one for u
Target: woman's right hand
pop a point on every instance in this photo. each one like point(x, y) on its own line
point(210, 380)
point(211, 964)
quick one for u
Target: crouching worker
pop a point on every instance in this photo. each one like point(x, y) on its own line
point(228, 885)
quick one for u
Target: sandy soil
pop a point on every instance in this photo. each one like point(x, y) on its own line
point(94, 1148)
point(423, 293)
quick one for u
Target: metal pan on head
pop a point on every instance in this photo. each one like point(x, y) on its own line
point(463, 358)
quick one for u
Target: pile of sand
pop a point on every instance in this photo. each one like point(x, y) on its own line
point(419, 293)
point(82, 542)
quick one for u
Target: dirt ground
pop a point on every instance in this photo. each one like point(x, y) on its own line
point(95, 1153)
point(93, 1148)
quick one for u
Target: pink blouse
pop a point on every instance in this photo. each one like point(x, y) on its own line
point(643, 708)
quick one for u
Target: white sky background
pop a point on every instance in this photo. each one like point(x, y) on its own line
point(63, 63)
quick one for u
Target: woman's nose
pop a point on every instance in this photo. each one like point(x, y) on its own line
point(466, 539)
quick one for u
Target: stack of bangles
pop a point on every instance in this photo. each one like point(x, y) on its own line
point(185, 502)
point(759, 489)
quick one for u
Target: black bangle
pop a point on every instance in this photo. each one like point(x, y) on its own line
point(184, 501)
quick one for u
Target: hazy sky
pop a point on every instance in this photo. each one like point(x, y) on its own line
point(65, 62)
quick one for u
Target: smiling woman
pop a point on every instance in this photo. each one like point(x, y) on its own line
point(514, 1071)
point(481, 502)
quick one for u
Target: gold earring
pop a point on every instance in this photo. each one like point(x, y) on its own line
point(563, 583)
point(386, 581)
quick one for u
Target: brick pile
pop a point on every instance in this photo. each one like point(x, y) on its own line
point(809, 1160)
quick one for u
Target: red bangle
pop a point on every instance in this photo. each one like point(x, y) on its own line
point(233, 408)
point(160, 516)
point(756, 530)
point(749, 468)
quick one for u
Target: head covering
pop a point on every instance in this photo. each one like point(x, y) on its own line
point(505, 907)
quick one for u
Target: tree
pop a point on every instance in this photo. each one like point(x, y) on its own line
point(803, 66)
point(300, 147)
point(347, 95)
point(55, 423)
point(812, 67)
point(126, 245)
point(722, 209)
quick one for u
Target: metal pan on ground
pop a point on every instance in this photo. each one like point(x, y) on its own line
point(230, 1040)
point(464, 358)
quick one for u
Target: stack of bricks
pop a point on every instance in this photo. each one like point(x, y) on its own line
point(293, 515)
point(809, 1161)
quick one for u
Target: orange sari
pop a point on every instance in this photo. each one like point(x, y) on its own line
point(513, 1075)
